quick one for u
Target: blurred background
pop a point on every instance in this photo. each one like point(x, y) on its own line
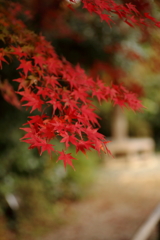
point(37, 196)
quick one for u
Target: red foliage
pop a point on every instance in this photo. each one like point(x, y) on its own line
point(8, 94)
point(132, 12)
point(48, 82)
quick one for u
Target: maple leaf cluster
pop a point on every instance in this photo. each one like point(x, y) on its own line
point(62, 94)
point(128, 12)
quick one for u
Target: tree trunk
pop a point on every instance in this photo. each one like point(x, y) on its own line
point(119, 126)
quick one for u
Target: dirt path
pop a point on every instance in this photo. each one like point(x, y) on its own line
point(118, 203)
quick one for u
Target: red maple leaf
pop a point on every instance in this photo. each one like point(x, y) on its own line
point(22, 81)
point(106, 18)
point(36, 119)
point(39, 60)
point(8, 94)
point(83, 146)
point(68, 138)
point(46, 130)
point(120, 102)
point(66, 158)
point(18, 51)
point(89, 114)
point(2, 59)
point(99, 94)
point(52, 81)
point(132, 7)
point(46, 147)
point(80, 94)
point(32, 99)
point(26, 66)
point(147, 15)
point(56, 105)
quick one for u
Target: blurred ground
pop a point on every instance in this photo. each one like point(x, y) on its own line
point(122, 197)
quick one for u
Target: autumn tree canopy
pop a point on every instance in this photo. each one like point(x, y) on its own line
point(58, 94)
